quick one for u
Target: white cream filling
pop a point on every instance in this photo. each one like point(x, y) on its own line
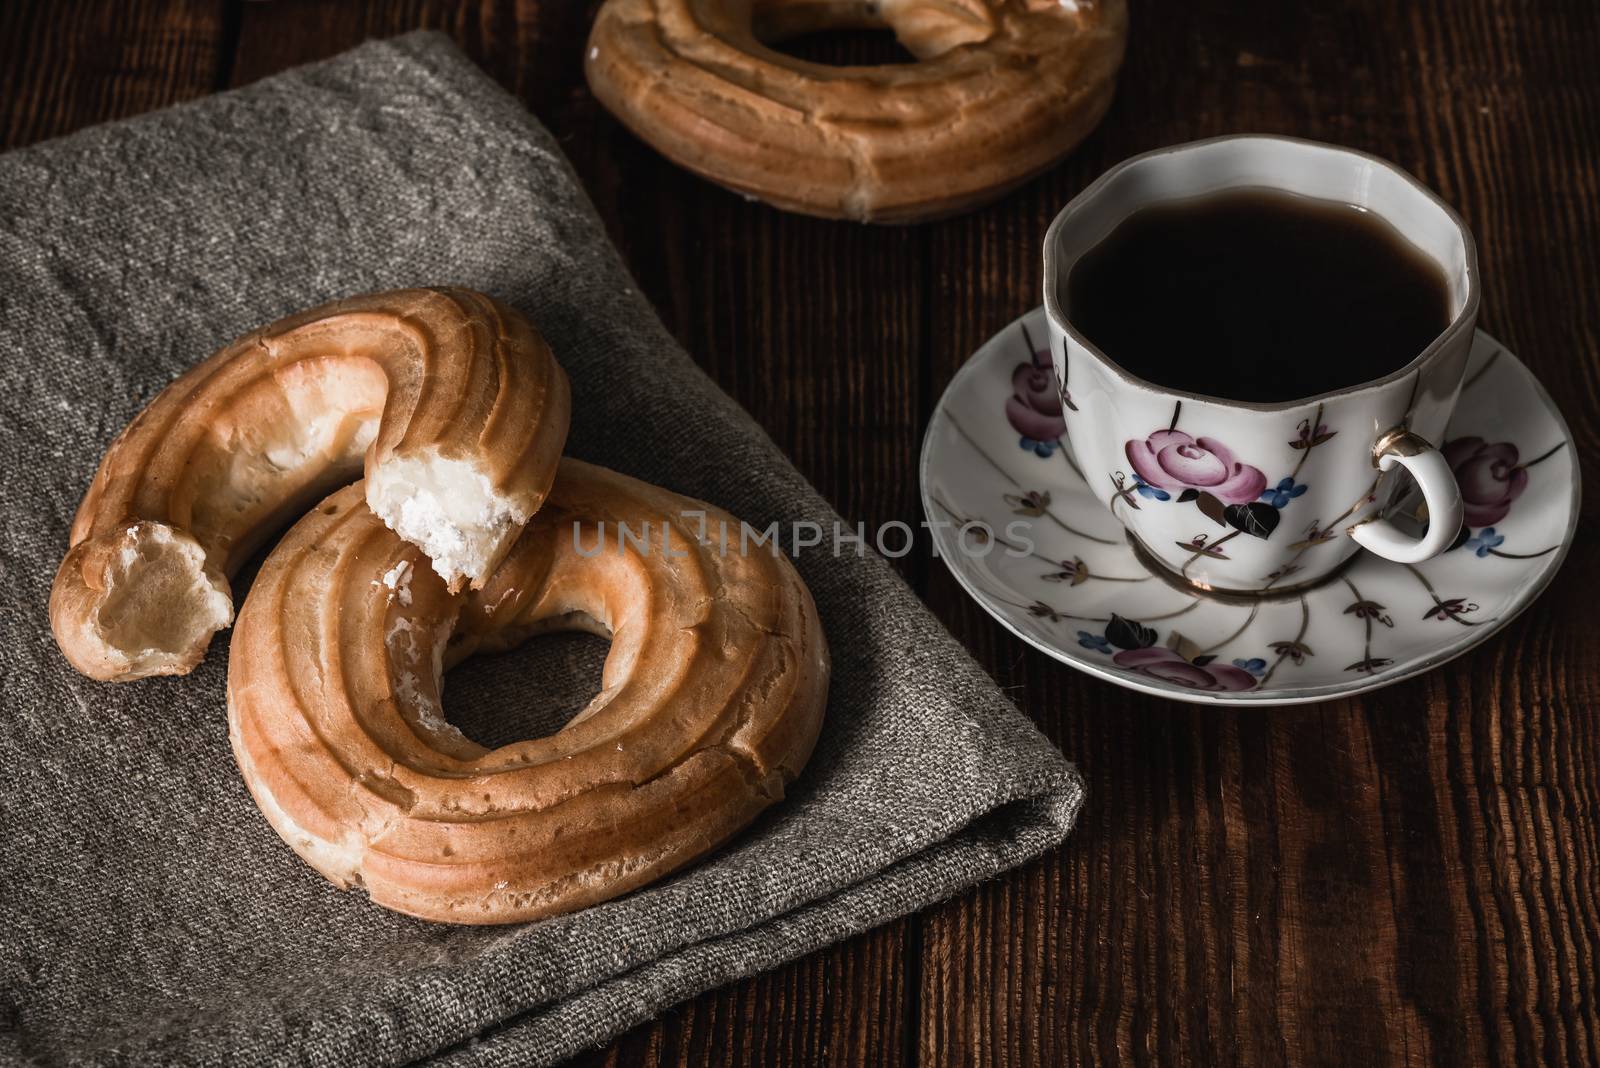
point(449, 510)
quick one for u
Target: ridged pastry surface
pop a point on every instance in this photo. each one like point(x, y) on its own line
point(711, 699)
point(1001, 90)
point(426, 389)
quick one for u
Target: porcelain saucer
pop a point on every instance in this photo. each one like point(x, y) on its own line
point(1017, 526)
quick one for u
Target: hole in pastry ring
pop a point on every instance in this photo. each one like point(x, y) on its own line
point(711, 700)
point(1002, 90)
point(451, 401)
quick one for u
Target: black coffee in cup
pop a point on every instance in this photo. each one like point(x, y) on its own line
point(1257, 295)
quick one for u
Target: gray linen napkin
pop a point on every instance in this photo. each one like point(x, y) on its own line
point(147, 912)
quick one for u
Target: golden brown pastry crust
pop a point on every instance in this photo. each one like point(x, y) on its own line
point(711, 701)
point(1003, 89)
point(243, 442)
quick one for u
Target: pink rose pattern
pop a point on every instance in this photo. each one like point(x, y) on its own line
point(1174, 461)
point(1490, 478)
point(1167, 665)
point(1174, 464)
point(1132, 646)
point(1034, 407)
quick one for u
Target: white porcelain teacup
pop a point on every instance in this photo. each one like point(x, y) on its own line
point(1195, 479)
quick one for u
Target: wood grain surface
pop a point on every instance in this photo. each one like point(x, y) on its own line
point(1411, 877)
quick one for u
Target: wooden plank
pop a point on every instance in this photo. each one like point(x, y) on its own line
point(70, 65)
point(842, 1006)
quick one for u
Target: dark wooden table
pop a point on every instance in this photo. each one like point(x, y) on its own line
point(1412, 876)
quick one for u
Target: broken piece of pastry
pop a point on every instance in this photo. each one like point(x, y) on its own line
point(450, 402)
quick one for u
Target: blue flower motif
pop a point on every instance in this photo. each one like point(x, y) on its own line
point(1485, 541)
point(1097, 642)
point(1147, 490)
point(1285, 491)
point(1044, 449)
point(1255, 665)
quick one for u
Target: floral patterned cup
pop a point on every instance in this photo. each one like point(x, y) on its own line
point(1232, 497)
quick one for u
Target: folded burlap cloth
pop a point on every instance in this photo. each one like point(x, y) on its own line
point(147, 911)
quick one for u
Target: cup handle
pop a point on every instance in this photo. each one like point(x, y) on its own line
point(1439, 492)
